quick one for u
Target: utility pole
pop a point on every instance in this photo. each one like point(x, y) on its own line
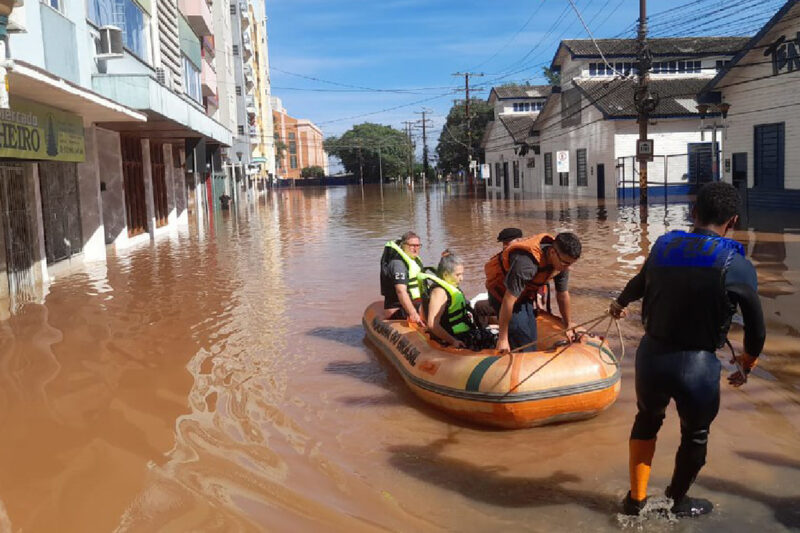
point(467, 76)
point(360, 163)
point(408, 125)
point(425, 122)
point(645, 101)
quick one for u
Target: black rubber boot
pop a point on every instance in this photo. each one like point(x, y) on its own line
point(632, 507)
point(688, 507)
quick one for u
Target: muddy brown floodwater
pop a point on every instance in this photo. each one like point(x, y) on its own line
point(219, 380)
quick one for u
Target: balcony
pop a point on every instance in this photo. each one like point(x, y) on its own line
point(244, 12)
point(247, 46)
point(254, 138)
point(208, 79)
point(250, 104)
point(198, 14)
point(249, 80)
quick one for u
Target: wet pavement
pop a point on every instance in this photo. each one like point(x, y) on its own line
point(219, 380)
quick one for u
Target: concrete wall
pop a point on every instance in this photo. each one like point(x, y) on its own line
point(91, 207)
point(109, 164)
point(758, 97)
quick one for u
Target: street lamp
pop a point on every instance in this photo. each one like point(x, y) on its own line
point(723, 108)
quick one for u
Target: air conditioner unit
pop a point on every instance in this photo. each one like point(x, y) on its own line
point(164, 77)
point(110, 44)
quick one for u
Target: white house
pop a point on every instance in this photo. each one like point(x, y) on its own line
point(758, 90)
point(588, 126)
point(505, 139)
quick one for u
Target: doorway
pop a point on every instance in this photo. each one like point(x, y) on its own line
point(17, 235)
point(601, 180)
point(769, 156)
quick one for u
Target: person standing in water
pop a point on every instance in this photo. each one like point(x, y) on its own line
point(691, 284)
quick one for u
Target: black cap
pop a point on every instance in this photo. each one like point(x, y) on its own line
point(509, 233)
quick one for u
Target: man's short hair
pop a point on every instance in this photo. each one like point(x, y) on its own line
point(717, 202)
point(569, 244)
point(407, 236)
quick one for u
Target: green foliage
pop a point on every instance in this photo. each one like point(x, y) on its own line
point(313, 172)
point(280, 149)
point(552, 77)
point(373, 139)
point(452, 147)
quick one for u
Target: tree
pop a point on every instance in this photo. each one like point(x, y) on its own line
point(280, 149)
point(360, 147)
point(553, 77)
point(452, 147)
point(312, 172)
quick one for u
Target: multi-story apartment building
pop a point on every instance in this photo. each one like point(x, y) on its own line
point(302, 143)
point(120, 120)
point(253, 143)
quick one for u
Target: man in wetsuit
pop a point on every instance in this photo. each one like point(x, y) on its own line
point(691, 284)
point(400, 285)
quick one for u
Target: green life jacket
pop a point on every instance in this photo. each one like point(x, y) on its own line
point(455, 320)
point(414, 270)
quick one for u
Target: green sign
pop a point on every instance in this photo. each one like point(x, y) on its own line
point(30, 130)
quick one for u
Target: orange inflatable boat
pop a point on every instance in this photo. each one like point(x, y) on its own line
point(510, 391)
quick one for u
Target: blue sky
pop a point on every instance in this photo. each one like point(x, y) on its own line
point(415, 46)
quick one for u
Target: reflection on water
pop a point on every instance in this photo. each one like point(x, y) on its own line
point(220, 380)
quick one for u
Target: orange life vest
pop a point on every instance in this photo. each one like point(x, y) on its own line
point(498, 266)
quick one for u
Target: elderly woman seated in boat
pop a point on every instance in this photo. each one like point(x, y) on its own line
point(450, 316)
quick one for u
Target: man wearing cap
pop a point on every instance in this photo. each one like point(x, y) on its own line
point(508, 236)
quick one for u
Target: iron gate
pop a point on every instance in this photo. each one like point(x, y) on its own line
point(58, 183)
point(16, 212)
point(133, 176)
point(161, 207)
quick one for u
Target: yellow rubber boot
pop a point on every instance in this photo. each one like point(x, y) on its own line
point(640, 459)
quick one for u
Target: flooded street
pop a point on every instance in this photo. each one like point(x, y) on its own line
point(219, 380)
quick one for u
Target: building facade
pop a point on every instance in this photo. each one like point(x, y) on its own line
point(756, 92)
point(583, 140)
point(300, 142)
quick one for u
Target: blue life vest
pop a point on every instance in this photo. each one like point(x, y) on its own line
point(685, 302)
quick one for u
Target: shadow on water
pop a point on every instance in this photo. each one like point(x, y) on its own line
point(489, 484)
point(786, 508)
point(348, 335)
point(772, 459)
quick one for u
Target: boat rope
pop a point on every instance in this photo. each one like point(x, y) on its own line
point(570, 340)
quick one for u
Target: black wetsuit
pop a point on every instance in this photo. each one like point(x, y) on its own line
point(691, 284)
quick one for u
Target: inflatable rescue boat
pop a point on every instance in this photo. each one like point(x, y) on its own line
point(561, 382)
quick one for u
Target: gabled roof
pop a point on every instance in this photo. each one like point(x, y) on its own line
point(614, 98)
point(660, 47)
point(519, 126)
point(751, 43)
point(519, 91)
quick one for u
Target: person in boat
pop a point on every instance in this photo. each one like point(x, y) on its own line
point(514, 277)
point(400, 287)
point(449, 314)
point(483, 309)
point(691, 284)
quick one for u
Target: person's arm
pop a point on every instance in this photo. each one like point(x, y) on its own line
point(436, 310)
point(564, 307)
point(506, 309)
point(741, 284)
point(405, 300)
point(634, 290)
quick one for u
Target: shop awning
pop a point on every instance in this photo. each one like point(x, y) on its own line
point(33, 83)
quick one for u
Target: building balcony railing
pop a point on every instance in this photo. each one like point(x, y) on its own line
point(208, 79)
point(249, 80)
point(254, 137)
point(198, 14)
point(250, 106)
point(247, 46)
point(244, 12)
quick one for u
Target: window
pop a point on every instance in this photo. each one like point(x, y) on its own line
point(515, 170)
point(191, 75)
point(233, 8)
point(563, 179)
point(238, 90)
point(722, 64)
point(236, 49)
point(583, 180)
point(292, 145)
point(55, 4)
point(125, 14)
point(548, 168)
point(592, 69)
point(673, 67)
point(240, 129)
point(497, 173)
point(682, 67)
point(527, 107)
point(293, 161)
